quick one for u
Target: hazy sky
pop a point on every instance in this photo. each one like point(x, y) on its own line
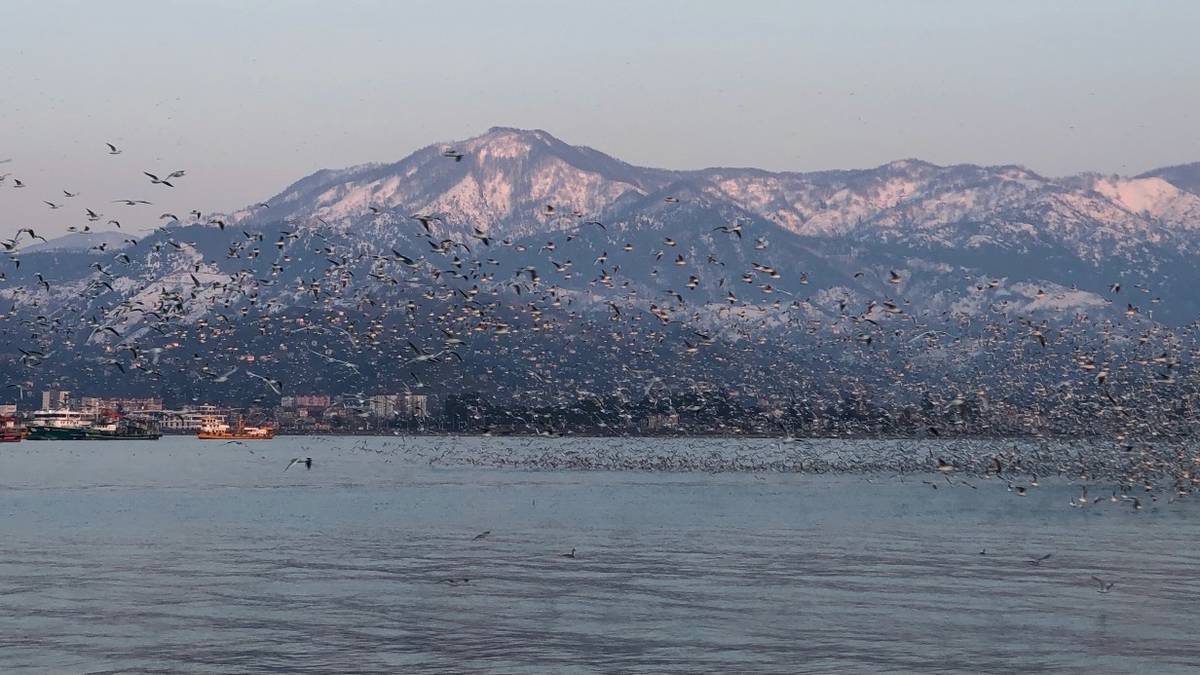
point(247, 96)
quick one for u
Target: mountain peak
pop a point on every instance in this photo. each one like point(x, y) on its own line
point(507, 143)
point(540, 134)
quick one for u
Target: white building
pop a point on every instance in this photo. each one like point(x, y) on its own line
point(413, 405)
point(388, 406)
point(383, 405)
point(188, 420)
point(56, 399)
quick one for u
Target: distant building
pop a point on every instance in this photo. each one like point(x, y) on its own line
point(413, 405)
point(408, 406)
point(186, 421)
point(56, 399)
point(383, 406)
point(309, 401)
point(8, 409)
point(661, 422)
point(94, 404)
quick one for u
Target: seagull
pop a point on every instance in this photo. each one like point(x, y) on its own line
point(736, 229)
point(275, 385)
point(306, 461)
point(158, 181)
point(224, 377)
point(481, 535)
point(112, 149)
point(32, 235)
point(1102, 587)
point(1036, 562)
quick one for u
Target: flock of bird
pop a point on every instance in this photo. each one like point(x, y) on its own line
point(299, 303)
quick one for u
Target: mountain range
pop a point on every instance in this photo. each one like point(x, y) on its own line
point(517, 228)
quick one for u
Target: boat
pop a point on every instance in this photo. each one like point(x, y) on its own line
point(56, 425)
point(71, 425)
point(213, 429)
point(9, 431)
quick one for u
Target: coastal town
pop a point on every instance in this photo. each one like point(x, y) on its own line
point(60, 415)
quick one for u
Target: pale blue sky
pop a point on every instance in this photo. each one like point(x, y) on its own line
point(250, 95)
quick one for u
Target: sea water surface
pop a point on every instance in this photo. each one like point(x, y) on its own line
point(184, 556)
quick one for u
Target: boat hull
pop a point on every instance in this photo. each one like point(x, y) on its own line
point(62, 434)
point(218, 436)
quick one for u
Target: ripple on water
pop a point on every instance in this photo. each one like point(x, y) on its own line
point(220, 562)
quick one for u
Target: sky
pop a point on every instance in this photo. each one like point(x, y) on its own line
point(247, 97)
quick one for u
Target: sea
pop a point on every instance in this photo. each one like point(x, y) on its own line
point(446, 555)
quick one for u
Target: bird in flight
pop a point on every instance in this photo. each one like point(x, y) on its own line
point(155, 180)
point(306, 461)
point(275, 385)
point(112, 149)
point(223, 377)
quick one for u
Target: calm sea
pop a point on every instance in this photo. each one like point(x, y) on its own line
point(182, 556)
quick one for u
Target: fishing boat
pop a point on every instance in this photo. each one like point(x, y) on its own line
point(213, 429)
point(58, 425)
point(72, 425)
point(10, 432)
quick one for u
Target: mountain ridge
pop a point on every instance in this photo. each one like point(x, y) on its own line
point(530, 247)
point(507, 168)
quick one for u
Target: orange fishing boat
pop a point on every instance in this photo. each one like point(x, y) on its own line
point(216, 430)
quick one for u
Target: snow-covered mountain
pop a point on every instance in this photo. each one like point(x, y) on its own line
point(1003, 223)
point(507, 176)
point(522, 220)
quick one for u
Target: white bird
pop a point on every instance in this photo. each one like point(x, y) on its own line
point(273, 384)
point(224, 377)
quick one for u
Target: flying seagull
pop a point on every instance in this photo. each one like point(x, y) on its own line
point(275, 385)
point(306, 461)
